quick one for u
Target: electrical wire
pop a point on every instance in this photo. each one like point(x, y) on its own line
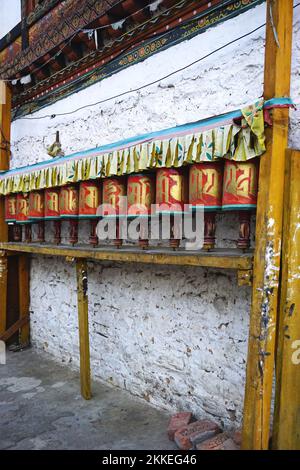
point(133, 90)
point(86, 30)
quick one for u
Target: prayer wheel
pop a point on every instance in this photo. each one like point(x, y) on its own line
point(22, 215)
point(52, 211)
point(140, 197)
point(37, 212)
point(68, 209)
point(240, 194)
point(113, 191)
point(11, 216)
point(171, 195)
point(89, 201)
point(205, 190)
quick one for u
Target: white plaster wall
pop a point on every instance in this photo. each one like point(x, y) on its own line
point(10, 15)
point(175, 336)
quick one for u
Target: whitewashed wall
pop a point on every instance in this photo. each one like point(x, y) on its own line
point(175, 336)
point(10, 15)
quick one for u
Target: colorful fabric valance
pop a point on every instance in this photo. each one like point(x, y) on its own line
point(238, 135)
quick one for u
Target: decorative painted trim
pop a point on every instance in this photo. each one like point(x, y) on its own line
point(238, 135)
point(99, 71)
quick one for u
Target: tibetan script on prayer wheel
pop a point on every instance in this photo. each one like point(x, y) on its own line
point(89, 199)
point(140, 194)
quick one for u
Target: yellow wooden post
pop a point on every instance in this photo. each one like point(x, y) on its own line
point(84, 347)
point(5, 117)
point(3, 291)
point(23, 268)
point(286, 434)
point(263, 317)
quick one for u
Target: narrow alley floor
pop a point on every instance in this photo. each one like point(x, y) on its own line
point(41, 408)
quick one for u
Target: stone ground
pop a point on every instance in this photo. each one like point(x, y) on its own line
point(41, 408)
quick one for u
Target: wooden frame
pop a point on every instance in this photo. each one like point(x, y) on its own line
point(265, 292)
point(267, 256)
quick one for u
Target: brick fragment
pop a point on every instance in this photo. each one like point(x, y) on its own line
point(178, 421)
point(188, 436)
point(220, 442)
point(237, 437)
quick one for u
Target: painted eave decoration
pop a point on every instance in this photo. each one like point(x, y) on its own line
point(238, 135)
point(62, 59)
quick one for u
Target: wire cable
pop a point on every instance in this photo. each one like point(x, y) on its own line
point(154, 82)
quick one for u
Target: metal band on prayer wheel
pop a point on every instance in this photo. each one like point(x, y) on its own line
point(52, 211)
point(240, 194)
point(205, 190)
point(113, 190)
point(37, 212)
point(89, 201)
point(11, 216)
point(22, 214)
point(68, 208)
point(11, 208)
point(171, 195)
point(141, 196)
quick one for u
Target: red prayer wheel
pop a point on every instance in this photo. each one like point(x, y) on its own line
point(11, 216)
point(68, 208)
point(140, 197)
point(89, 201)
point(113, 191)
point(240, 194)
point(171, 195)
point(37, 212)
point(205, 190)
point(52, 211)
point(11, 208)
point(22, 214)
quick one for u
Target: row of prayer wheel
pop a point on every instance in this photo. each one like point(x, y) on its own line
point(216, 186)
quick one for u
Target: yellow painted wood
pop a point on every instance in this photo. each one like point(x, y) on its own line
point(23, 269)
point(5, 120)
point(3, 292)
point(225, 259)
point(286, 433)
point(263, 317)
point(84, 347)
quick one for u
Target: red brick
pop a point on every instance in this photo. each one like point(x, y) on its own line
point(178, 421)
point(188, 436)
point(220, 442)
point(237, 437)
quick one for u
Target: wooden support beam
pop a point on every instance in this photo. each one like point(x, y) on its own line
point(219, 258)
point(261, 346)
point(5, 119)
point(286, 433)
point(3, 291)
point(23, 268)
point(83, 323)
point(14, 328)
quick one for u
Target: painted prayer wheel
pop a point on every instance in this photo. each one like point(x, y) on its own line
point(205, 190)
point(52, 211)
point(37, 212)
point(171, 195)
point(240, 194)
point(140, 197)
point(22, 215)
point(113, 191)
point(89, 201)
point(11, 216)
point(68, 209)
